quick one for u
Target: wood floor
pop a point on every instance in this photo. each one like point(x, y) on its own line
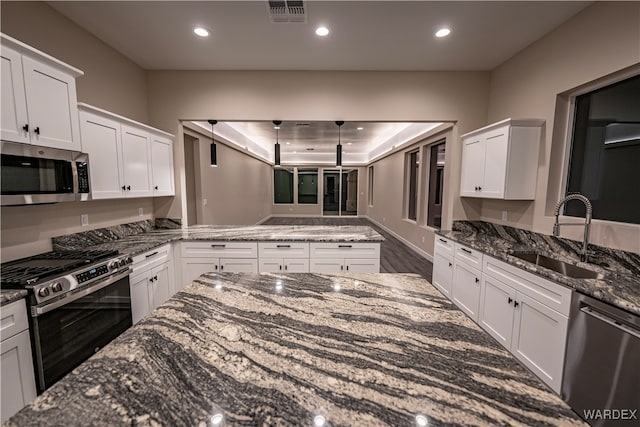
point(395, 256)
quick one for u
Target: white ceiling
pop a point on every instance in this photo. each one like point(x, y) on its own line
point(314, 142)
point(371, 35)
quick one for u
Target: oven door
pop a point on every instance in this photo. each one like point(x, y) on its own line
point(69, 331)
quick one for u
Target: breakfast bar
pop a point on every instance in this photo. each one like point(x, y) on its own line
point(301, 349)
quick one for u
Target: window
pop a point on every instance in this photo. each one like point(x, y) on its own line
point(370, 185)
point(435, 185)
point(412, 171)
point(604, 164)
point(308, 186)
point(282, 185)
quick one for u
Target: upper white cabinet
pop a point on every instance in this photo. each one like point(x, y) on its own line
point(39, 102)
point(500, 161)
point(127, 159)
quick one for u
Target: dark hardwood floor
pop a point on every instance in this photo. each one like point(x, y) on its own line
point(395, 256)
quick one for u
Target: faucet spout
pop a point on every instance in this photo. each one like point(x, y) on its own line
point(584, 253)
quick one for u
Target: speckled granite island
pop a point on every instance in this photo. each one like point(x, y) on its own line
point(366, 349)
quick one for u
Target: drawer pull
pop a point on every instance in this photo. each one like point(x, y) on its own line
point(283, 246)
point(150, 255)
point(285, 267)
point(345, 246)
point(466, 250)
point(221, 267)
point(442, 240)
point(218, 246)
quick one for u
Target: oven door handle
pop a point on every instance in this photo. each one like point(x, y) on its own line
point(38, 311)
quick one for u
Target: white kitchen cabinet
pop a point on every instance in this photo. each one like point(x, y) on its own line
point(344, 265)
point(516, 310)
point(152, 281)
point(500, 161)
point(18, 386)
point(283, 257)
point(126, 158)
point(344, 257)
point(39, 101)
point(443, 266)
point(215, 256)
point(162, 165)
point(283, 265)
point(465, 292)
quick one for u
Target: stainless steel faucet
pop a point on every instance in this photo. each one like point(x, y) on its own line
point(584, 253)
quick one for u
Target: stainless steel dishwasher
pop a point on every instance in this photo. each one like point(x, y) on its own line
point(602, 365)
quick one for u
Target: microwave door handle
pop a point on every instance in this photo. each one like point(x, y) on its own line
point(38, 311)
point(76, 184)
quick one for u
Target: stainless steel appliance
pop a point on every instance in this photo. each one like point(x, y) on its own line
point(33, 174)
point(78, 301)
point(602, 365)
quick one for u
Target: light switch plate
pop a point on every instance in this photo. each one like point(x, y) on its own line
point(84, 220)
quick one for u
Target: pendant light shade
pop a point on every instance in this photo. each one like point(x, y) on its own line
point(276, 125)
point(214, 154)
point(339, 146)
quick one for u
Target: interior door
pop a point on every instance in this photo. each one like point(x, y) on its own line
point(331, 192)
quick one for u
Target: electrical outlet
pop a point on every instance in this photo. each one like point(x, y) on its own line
point(140, 211)
point(205, 202)
point(422, 239)
point(84, 220)
point(504, 215)
point(384, 219)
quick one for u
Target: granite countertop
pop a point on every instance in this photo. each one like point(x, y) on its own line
point(7, 296)
point(365, 349)
point(140, 243)
point(619, 287)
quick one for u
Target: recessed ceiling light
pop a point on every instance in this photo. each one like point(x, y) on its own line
point(443, 32)
point(322, 31)
point(288, 143)
point(202, 32)
point(349, 143)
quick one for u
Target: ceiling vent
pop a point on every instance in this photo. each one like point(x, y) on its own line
point(287, 11)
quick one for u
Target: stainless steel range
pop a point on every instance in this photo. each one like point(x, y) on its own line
point(78, 302)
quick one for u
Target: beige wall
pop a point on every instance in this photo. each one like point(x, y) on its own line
point(601, 40)
point(112, 82)
point(307, 95)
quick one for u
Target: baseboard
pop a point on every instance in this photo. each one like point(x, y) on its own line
point(265, 219)
point(314, 216)
point(402, 239)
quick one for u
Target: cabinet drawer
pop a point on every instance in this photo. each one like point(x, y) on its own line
point(444, 247)
point(344, 250)
point(552, 295)
point(151, 258)
point(283, 249)
point(220, 249)
point(13, 319)
point(469, 256)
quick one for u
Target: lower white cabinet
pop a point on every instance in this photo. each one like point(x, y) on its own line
point(18, 380)
point(466, 289)
point(443, 266)
point(284, 265)
point(192, 268)
point(152, 281)
point(344, 257)
point(342, 265)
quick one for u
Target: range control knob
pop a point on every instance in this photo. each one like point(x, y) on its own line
point(43, 292)
point(129, 260)
point(113, 265)
point(56, 287)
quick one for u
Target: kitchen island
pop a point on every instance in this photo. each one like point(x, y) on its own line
point(301, 349)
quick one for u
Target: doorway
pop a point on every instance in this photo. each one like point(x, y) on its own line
point(340, 192)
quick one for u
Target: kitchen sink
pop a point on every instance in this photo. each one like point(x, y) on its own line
point(558, 266)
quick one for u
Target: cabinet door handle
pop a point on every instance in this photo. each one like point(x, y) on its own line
point(479, 188)
point(442, 240)
point(341, 267)
point(509, 300)
point(285, 267)
point(475, 188)
point(218, 246)
point(477, 280)
point(26, 127)
point(283, 246)
point(215, 267)
point(516, 303)
point(128, 188)
point(345, 246)
point(150, 255)
point(124, 187)
point(279, 267)
point(155, 278)
point(465, 250)
point(221, 267)
point(156, 187)
point(36, 130)
point(347, 268)
point(450, 264)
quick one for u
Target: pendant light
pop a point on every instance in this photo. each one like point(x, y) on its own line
point(339, 146)
point(277, 124)
point(214, 157)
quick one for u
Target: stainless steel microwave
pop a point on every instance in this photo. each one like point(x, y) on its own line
point(31, 174)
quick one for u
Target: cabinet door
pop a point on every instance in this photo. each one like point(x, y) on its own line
point(442, 274)
point(238, 265)
point(326, 265)
point(162, 166)
point(466, 289)
point(51, 106)
point(296, 265)
point(495, 170)
point(159, 286)
point(473, 157)
point(140, 303)
point(14, 105)
point(192, 268)
point(539, 339)
point(18, 381)
point(101, 139)
point(496, 310)
point(136, 158)
point(362, 266)
point(271, 265)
